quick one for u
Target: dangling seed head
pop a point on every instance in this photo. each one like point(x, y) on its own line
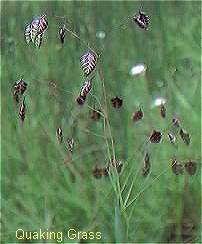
point(147, 165)
point(191, 167)
point(88, 62)
point(142, 20)
point(116, 102)
point(118, 165)
point(97, 172)
point(95, 114)
point(86, 87)
point(176, 121)
point(177, 167)
point(155, 137)
point(60, 135)
point(185, 136)
point(137, 115)
point(105, 171)
point(18, 89)
point(22, 110)
point(171, 138)
point(163, 110)
point(81, 100)
point(62, 32)
point(70, 142)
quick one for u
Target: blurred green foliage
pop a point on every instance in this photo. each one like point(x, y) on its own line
point(38, 189)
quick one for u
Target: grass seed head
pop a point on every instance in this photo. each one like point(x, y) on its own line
point(22, 110)
point(177, 167)
point(190, 167)
point(95, 115)
point(60, 135)
point(155, 137)
point(97, 172)
point(185, 136)
point(116, 102)
point(163, 110)
point(147, 165)
point(137, 115)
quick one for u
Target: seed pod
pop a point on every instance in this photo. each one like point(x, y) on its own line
point(70, 142)
point(147, 165)
point(62, 33)
point(117, 165)
point(20, 86)
point(116, 102)
point(171, 138)
point(105, 171)
point(97, 172)
point(176, 121)
point(177, 167)
point(18, 89)
point(191, 167)
point(85, 89)
point(35, 30)
point(95, 114)
point(137, 115)
point(43, 23)
point(81, 100)
point(163, 111)
point(142, 20)
point(22, 110)
point(185, 136)
point(155, 137)
point(88, 62)
point(60, 135)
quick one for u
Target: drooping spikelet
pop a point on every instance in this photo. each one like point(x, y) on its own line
point(88, 62)
point(62, 32)
point(142, 20)
point(59, 135)
point(22, 110)
point(35, 30)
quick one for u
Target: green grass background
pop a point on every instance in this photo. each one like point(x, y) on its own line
point(38, 190)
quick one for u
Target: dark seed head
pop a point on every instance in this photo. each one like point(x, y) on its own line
point(163, 111)
point(70, 142)
point(95, 115)
point(59, 134)
point(185, 136)
point(147, 165)
point(155, 137)
point(97, 172)
point(177, 167)
point(22, 110)
point(118, 165)
point(81, 100)
point(18, 89)
point(106, 171)
point(190, 167)
point(116, 102)
point(137, 115)
point(142, 20)
point(62, 33)
point(176, 121)
point(171, 138)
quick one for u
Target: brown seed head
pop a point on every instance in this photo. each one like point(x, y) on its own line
point(116, 102)
point(177, 167)
point(137, 115)
point(97, 172)
point(191, 167)
point(155, 137)
point(185, 136)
